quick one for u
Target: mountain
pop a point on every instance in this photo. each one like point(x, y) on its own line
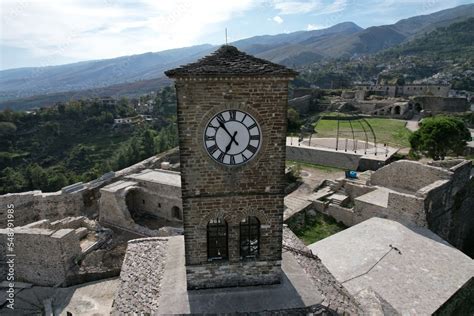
point(295, 49)
point(24, 82)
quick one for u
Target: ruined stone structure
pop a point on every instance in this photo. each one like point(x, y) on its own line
point(155, 193)
point(46, 253)
point(436, 196)
point(436, 105)
point(405, 90)
point(80, 199)
point(232, 125)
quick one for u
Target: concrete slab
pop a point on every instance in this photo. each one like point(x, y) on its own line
point(158, 176)
point(295, 291)
point(415, 281)
point(377, 197)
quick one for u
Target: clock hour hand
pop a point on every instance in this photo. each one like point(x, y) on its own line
point(232, 140)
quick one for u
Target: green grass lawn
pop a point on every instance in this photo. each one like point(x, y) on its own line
point(392, 132)
point(317, 228)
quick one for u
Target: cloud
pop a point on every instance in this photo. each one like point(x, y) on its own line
point(312, 27)
point(296, 7)
point(87, 29)
point(278, 19)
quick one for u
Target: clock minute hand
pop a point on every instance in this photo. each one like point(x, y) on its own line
point(232, 138)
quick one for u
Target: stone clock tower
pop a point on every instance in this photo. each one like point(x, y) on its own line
point(232, 136)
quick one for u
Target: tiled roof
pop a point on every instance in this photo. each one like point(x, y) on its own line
point(229, 61)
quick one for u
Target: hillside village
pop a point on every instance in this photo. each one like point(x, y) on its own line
point(243, 184)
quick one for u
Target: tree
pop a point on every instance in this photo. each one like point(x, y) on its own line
point(148, 143)
point(439, 136)
point(294, 122)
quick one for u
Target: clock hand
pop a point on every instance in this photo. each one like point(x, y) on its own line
point(232, 140)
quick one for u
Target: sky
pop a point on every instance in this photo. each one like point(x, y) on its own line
point(52, 32)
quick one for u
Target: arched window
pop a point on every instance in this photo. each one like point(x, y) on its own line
point(217, 239)
point(249, 237)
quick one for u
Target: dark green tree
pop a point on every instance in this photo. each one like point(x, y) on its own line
point(439, 136)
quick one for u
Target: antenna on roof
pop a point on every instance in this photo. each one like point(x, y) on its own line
point(226, 36)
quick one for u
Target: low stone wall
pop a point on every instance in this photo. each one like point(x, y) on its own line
point(42, 256)
point(406, 208)
point(247, 273)
point(318, 156)
point(35, 205)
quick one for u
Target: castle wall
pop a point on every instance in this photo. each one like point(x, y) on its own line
point(338, 159)
point(35, 205)
point(406, 176)
point(435, 104)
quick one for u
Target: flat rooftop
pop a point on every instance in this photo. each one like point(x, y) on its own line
point(377, 197)
point(158, 176)
point(153, 280)
point(418, 280)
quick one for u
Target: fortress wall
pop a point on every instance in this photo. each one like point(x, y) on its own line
point(35, 205)
point(406, 175)
point(335, 159)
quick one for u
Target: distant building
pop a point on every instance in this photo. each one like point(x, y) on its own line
point(108, 101)
point(404, 90)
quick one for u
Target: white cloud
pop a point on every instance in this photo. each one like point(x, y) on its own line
point(312, 27)
point(295, 7)
point(278, 19)
point(86, 29)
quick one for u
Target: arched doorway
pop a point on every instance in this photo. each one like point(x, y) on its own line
point(133, 204)
point(176, 213)
point(418, 107)
point(396, 110)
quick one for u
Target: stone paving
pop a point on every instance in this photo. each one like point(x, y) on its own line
point(140, 277)
point(154, 281)
point(336, 297)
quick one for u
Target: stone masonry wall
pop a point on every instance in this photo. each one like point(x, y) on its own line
point(238, 274)
point(338, 159)
point(42, 256)
point(407, 176)
point(210, 190)
point(35, 205)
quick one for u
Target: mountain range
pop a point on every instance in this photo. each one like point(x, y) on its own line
point(137, 74)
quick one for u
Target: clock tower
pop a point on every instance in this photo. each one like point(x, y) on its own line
point(232, 137)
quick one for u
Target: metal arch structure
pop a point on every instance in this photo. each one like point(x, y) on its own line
point(354, 120)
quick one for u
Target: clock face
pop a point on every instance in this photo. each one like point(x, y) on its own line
point(232, 137)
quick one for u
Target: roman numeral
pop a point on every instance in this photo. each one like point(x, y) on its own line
point(213, 138)
point(220, 118)
point(212, 149)
point(232, 160)
point(221, 157)
point(233, 114)
point(212, 126)
point(254, 137)
point(252, 126)
point(243, 118)
point(252, 149)
point(244, 158)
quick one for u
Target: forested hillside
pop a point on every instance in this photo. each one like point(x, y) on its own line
point(78, 141)
point(447, 52)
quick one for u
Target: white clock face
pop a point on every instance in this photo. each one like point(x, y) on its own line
point(232, 137)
